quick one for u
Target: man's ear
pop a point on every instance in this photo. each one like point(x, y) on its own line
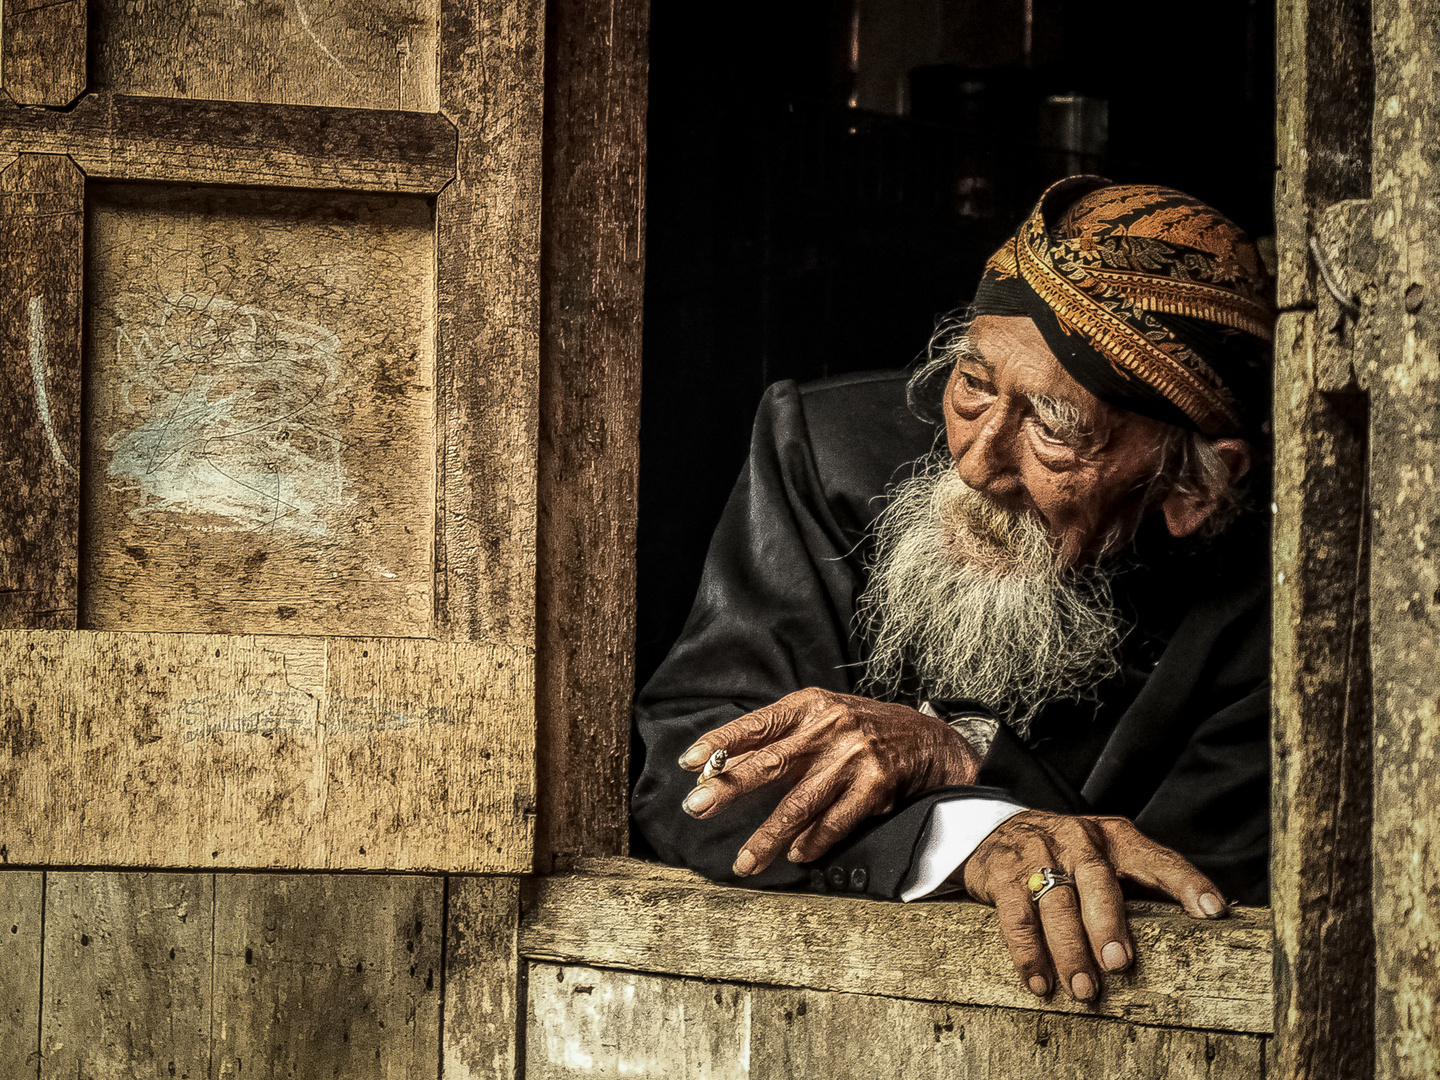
point(1186, 511)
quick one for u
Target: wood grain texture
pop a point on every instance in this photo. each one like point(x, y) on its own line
point(1404, 383)
point(585, 1022)
point(21, 921)
point(192, 750)
point(41, 236)
point(127, 975)
point(125, 137)
point(42, 50)
point(1321, 698)
point(359, 54)
point(482, 979)
point(260, 413)
point(592, 286)
point(327, 975)
point(1205, 975)
point(488, 247)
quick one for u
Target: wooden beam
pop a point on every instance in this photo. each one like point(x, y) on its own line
point(487, 231)
point(1321, 712)
point(127, 975)
point(1403, 373)
point(600, 1025)
point(484, 998)
point(592, 292)
point(120, 137)
point(42, 50)
point(21, 918)
point(42, 207)
point(1189, 974)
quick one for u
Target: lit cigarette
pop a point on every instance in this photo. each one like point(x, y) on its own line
point(714, 765)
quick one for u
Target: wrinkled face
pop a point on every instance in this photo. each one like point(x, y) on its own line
point(1026, 434)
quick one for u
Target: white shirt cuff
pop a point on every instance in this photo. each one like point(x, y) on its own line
point(955, 829)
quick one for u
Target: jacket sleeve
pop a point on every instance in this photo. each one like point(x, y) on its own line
point(773, 615)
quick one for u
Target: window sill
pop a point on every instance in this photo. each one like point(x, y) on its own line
point(632, 915)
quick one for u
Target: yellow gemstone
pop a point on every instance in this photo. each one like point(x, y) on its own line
point(1036, 882)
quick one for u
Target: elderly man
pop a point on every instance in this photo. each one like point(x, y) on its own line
point(1028, 659)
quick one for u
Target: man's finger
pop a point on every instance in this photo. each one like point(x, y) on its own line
point(782, 760)
point(1067, 943)
point(748, 732)
point(1143, 861)
point(1102, 909)
point(806, 801)
point(832, 825)
point(1020, 923)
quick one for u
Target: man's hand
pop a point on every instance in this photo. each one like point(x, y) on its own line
point(1071, 930)
point(844, 758)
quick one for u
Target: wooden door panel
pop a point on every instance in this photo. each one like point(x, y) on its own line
point(359, 54)
point(195, 750)
point(292, 467)
point(261, 404)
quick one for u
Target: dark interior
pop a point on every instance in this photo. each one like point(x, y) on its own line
point(827, 176)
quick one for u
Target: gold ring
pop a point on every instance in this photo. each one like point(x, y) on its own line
point(1045, 879)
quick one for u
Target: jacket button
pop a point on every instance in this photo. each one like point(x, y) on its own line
point(859, 879)
point(817, 881)
point(835, 877)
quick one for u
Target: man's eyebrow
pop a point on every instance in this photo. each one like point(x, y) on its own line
point(1061, 416)
point(966, 349)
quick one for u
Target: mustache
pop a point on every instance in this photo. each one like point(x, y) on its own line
point(969, 597)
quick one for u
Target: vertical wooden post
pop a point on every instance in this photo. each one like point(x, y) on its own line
point(1405, 577)
point(42, 205)
point(1320, 887)
point(484, 998)
point(592, 279)
point(42, 50)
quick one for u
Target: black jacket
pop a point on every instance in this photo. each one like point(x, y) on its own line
point(1178, 742)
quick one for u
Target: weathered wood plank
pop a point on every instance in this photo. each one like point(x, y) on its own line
point(482, 979)
point(42, 50)
point(1321, 707)
point(191, 750)
point(327, 975)
point(358, 54)
point(584, 1022)
point(21, 919)
point(260, 409)
point(127, 975)
point(1189, 974)
point(592, 282)
point(488, 248)
point(1404, 384)
point(41, 225)
point(124, 137)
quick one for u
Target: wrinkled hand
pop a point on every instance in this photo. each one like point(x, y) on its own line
point(1072, 930)
point(844, 758)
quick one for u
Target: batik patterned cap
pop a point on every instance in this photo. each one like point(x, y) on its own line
point(1150, 299)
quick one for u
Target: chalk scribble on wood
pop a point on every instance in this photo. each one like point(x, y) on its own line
point(261, 407)
point(363, 54)
point(199, 750)
point(41, 209)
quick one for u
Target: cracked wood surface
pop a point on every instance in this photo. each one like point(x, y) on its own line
point(41, 234)
point(592, 1023)
point(126, 137)
point(1189, 973)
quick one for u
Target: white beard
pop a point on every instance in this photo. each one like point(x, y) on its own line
point(970, 598)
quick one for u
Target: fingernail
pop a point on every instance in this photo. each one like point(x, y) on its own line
point(698, 800)
point(695, 756)
point(795, 856)
point(1038, 986)
point(1113, 956)
point(1211, 904)
point(744, 864)
point(1082, 986)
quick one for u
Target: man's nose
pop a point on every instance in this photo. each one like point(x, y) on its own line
point(986, 462)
